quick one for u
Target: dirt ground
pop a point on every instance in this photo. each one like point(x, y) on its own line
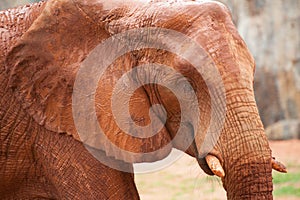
point(185, 180)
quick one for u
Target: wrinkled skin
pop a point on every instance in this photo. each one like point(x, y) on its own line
point(36, 162)
point(41, 153)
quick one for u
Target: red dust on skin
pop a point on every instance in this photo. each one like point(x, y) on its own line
point(41, 77)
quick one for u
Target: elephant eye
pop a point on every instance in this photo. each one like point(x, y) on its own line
point(185, 89)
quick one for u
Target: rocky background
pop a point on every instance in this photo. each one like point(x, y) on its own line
point(271, 29)
point(4, 4)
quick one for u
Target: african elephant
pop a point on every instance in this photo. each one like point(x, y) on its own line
point(43, 48)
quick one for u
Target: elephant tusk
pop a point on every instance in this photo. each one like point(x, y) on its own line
point(278, 166)
point(215, 165)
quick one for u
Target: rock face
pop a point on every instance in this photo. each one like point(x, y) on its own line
point(4, 4)
point(284, 130)
point(271, 29)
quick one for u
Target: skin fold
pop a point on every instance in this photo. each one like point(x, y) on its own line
point(42, 48)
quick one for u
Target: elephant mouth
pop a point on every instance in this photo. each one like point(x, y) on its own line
point(204, 166)
point(202, 161)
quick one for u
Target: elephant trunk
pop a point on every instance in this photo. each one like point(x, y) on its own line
point(242, 149)
point(245, 151)
point(248, 172)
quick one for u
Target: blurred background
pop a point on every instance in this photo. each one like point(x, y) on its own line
point(4, 4)
point(271, 29)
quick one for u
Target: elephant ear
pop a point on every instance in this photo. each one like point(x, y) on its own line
point(43, 65)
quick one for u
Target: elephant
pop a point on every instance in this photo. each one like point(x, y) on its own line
point(44, 45)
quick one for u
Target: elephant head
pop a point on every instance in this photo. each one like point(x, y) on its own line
point(44, 64)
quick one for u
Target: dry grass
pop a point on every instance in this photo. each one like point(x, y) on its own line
point(185, 180)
